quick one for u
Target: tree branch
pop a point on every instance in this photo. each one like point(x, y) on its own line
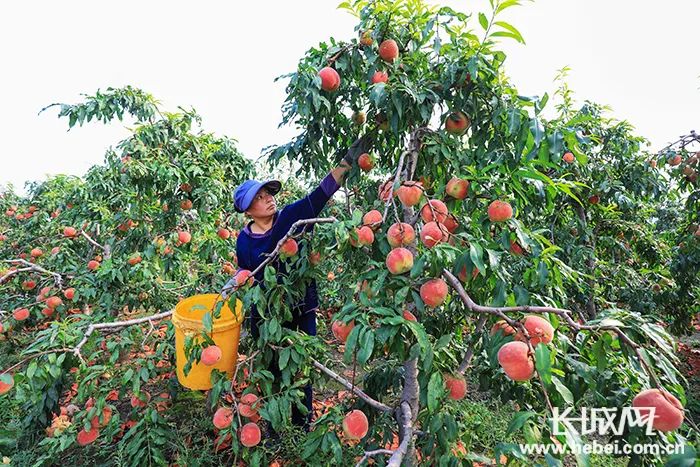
point(58, 279)
point(563, 313)
point(105, 249)
point(369, 454)
point(270, 256)
point(116, 324)
point(350, 387)
point(407, 429)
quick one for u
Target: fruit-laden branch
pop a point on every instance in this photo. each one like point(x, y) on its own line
point(563, 313)
point(351, 387)
point(11, 273)
point(683, 141)
point(271, 256)
point(415, 138)
point(32, 267)
point(91, 328)
point(105, 249)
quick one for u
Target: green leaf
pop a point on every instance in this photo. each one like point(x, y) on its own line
point(284, 358)
point(31, 369)
point(513, 120)
point(573, 439)
point(601, 358)
point(510, 28)
point(507, 4)
point(543, 363)
point(366, 347)
point(435, 389)
point(351, 343)
point(518, 421)
point(556, 144)
point(537, 130)
point(356, 217)
point(476, 253)
point(420, 334)
point(483, 21)
point(6, 378)
point(563, 391)
point(687, 458)
point(418, 267)
point(542, 273)
point(207, 321)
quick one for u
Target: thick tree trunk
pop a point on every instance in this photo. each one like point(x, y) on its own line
point(411, 389)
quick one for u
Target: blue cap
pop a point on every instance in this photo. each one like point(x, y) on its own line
point(246, 191)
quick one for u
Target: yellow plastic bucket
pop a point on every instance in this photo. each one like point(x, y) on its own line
point(226, 332)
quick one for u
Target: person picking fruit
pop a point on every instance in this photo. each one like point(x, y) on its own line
point(268, 225)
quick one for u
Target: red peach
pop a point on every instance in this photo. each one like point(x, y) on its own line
point(457, 123)
point(668, 414)
point(457, 188)
point(87, 437)
point(456, 386)
point(539, 329)
point(399, 260)
point(372, 219)
point(500, 211)
point(365, 162)
point(355, 425)
point(389, 50)
point(211, 355)
point(330, 79)
point(380, 77)
point(341, 330)
point(433, 233)
point(514, 358)
point(20, 314)
point(438, 207)
point(400, 234)
point(365, 237)
point(250, 435)
point(223, 418)
point(184, 237)
point(433, 292)
point(289, 248)
point(409, 193)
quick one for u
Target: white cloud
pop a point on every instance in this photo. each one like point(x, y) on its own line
point(221, 58)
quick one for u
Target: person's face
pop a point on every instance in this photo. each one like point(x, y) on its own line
point(263, 204)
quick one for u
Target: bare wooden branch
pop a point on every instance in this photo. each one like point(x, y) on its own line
point(350, 387)
point(369, 454)
point(58, 279)
point(105, 249)
point(470, 352)
point(116, 324)
point(407, 429)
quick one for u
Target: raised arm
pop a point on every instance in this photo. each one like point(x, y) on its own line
point(311, 205)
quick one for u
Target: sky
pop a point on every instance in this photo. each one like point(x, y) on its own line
point(221, 57)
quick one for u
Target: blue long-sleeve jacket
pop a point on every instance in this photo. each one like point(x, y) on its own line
point(250, 246)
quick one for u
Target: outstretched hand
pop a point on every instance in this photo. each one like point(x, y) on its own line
point(359, 147)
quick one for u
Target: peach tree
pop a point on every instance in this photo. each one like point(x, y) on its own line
point(452, 209)
point(151, 225)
